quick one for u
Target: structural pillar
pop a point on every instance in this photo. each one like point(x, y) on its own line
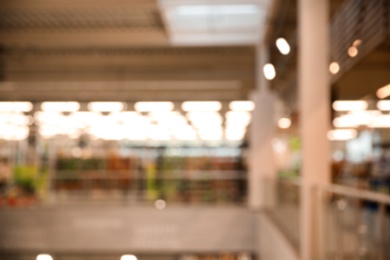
point(261, 161)
point(314, 101)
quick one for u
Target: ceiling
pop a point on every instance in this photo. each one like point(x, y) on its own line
point(148, 50)
point(118, 50)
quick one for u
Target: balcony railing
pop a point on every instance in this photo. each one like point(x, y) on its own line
point(350, 223)
point(355, 223)
point(115, 187)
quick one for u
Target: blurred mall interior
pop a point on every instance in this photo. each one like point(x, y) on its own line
point(194, 129)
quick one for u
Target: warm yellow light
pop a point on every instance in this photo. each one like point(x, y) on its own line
point(284, 122)
point(201, 106)
point(352, 51)
point(60, 106)
point(154, 106)
point(334, 67)
point(105, 106)
point(238, 117)
point(342, 134)
point(15, 106)
point(44, 257)
point(234, 134)
point(269, 71)
point(242, 105)
point(382, 121)
point(357, 42)
point(347, 105)
point(128, 257)
point(383, 92)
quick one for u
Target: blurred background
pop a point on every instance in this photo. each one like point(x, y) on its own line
point(194, 129)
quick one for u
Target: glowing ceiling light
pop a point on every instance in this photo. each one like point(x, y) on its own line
point(345, 121)
point(334, 67)
point(128, 257)
point(383, 92)
point(14, 133)
point(284, 122)
point(242, 105)
point(382, 121)
point(354, 105)
point(204, 118)
point(352, 51)
point(356, 118)
point(269, 71)
point(238, 117)
point(357, 42)
point(342, 134)
point(201, 106)
point(283, 46)
point(211, 135)
point(105, 106)
point(44, 257)
point(194, 10)
point(234, 134)
point(154, 106)
point(383, 105)
point(16, 106)
point(60, 106)
point(48, 131)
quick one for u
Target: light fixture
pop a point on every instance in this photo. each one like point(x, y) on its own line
point(204, 118)
point(283, 46)
point(383, 92)
point(234, 134)
point(203, 10)
point(383, 105)
point(105, 106)
point(60, 106)
point(16, 106)
point(14, 133)
point(44, 257)
point(352, 51)
point(154, 106)
point(356, 118)
point(128, 257)
point(284, 122)
point(382, 121)
point(353, 105)
point(357, 42)
point(242, 105)
point(201, 106)
point(269, 71)
point(238, 117)
point(341, 134)
point(334, 67)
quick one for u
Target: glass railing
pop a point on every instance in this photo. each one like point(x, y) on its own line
point(109, 187)
point(283, 206)
point(355, 224)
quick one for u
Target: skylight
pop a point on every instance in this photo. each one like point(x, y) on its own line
point(214, 23)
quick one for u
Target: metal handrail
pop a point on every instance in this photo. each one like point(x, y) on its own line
point(356, 193)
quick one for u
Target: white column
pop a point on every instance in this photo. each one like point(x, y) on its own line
point(314, 100)
point(261, 161)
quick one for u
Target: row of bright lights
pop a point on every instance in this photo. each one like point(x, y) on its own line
point(353, 51)
point(357, 115)
point(284, 48)
point(187, 106)
point(49, 257)
point(359, 105)
point(130, 125)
